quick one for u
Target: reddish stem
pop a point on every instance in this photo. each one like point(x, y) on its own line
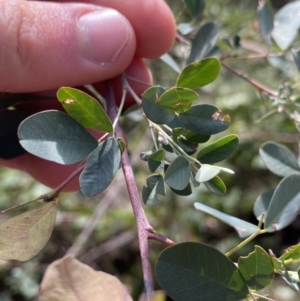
point(251, 81)
point(139, 214)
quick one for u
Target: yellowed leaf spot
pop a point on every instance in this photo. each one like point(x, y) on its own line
point(226, 118)
point(69, 101)
point(69, 279)
point(25, 235)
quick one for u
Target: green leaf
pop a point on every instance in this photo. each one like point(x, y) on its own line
point(291, 255)
point(175, 123)
point(25, 235)
point(154, 112)
point(168, 148)
point(290, 281)
point(84, 109)
point(195, 7)
point(176, 133)
point(278, 159)
point(200, 119)
point(199, 74)
point(203, 42)
point(155, 185)
point(177, 99)
point(100, 168)
point(243, 228)
point(262, 203)
point(218, 150)
point(296, 56)
point(154, 160)
point(189, 147)
point(257, 269)
point(277, 263)
point(144, 155)
point(285, 203)
point(266, 20)
point(178, 174)
point(185, 192)
point(194, 271)
point(207, 172)
point(122, 144)
point(194, 182)
point(57, 137)
point(216, 185)
point(286, 24)
point(196, 138)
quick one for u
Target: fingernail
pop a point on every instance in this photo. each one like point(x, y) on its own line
point(102, 35)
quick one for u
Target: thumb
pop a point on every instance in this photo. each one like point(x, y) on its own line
point(47, 45)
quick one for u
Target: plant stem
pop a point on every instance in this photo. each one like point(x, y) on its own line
point(139, 214)
point(174, 144)
point(252, 81)
point(262, 296)
point(243, 243)
point(103, 204)
point(114, 243)
point(49, 197)
point(120, 108)
point(41, 197)
point(130, 90)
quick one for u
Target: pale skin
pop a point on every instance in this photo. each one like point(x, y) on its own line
point(52, 44)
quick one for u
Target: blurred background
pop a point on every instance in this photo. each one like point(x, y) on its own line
point(112, 246)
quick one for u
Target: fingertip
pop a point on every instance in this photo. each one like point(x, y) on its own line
point(160, 30)
point(153, 23)
point(62, 44)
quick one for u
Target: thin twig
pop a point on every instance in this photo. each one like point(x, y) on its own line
point(244, 242)
point(174, 144)
point(130, 90)
point(137, 80)
point(252, 81)
point(262, 296)
point(108, 246)
point(41, 197)
point(82, 238)
point(120, 108)
point(48, 197)
point(139, 214)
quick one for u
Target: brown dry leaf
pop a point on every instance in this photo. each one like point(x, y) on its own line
point(68, 279)
point(25, 235)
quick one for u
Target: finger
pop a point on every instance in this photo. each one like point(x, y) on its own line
point(140, 80)
point(48, 45)
point(153, 23)
point(48, 173)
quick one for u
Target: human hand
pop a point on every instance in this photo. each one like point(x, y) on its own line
point(46, 45)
